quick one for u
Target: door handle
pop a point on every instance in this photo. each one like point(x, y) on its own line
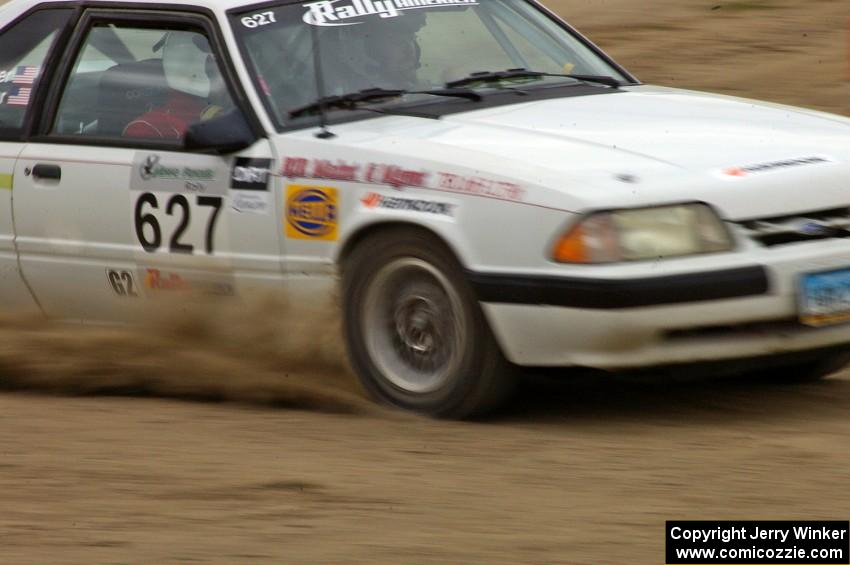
point(47, 172)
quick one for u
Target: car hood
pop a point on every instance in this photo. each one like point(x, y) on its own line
point(643, 145)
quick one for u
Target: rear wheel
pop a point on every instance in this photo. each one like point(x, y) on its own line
point(414, 330)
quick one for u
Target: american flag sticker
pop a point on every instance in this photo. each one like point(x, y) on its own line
point(25, 75)
point(19, 96)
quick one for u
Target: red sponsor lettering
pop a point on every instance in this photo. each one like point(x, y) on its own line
point(396, 177)
point(294, 167)
point(334, 171)
point(400, 177)
point(481, 186)
point(155, 281)
point(372, 200)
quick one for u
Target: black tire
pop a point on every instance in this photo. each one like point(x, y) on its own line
point(418, 322)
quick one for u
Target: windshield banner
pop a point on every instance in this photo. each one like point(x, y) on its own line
point(337, 13)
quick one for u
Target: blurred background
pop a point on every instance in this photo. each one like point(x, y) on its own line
point(229, 438)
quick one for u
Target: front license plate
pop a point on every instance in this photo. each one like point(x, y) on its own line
point(825, 298)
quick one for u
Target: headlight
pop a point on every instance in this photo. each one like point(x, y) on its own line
point(644, 233)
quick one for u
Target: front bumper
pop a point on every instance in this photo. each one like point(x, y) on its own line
point(743, 309)
point(610, 294)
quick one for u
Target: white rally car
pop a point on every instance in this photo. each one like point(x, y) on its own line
point(485, 187)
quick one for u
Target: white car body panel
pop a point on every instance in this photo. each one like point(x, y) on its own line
point(523, 173)
point(13, 291)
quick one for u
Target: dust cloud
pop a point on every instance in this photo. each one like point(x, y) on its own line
point(206, 351)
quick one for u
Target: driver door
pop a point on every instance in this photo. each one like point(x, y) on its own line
point(111, 212)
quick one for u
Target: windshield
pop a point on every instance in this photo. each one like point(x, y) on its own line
point(400, 45)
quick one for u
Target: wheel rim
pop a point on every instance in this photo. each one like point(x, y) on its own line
point(414, 325)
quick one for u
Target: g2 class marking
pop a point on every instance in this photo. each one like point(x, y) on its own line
point(122, 282)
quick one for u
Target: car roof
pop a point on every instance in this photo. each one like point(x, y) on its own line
point(14, 7)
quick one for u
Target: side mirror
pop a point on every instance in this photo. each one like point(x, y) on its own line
point(226, 133)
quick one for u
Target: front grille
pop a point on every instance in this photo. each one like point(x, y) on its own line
point(796, 228)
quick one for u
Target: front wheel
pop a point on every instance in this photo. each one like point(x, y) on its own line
point(414, 330)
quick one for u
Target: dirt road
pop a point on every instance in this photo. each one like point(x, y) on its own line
point(585, 476)
point(294, 468)
point(781, 50)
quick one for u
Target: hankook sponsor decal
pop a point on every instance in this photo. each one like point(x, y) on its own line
point(339, 13)
point(774, 166)
point(373, 200)
point(400, 177)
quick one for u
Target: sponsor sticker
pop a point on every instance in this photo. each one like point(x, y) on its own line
point(250, 202)
point(5, 181)
point(774, 166)
point(155, 279)
point(400, 177)
point(480, 186)
point(249, 184)
point(335, 13)
point(375, 201)
point(168, 173)
point(312, 212)
point(250, 174)
point(161, 281)
point(396, 177)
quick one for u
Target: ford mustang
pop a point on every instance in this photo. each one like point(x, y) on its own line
point(473, 183)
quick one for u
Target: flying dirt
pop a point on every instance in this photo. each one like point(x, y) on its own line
point(218, 435)
point(201, 351)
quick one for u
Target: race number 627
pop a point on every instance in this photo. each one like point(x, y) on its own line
point(149, 231)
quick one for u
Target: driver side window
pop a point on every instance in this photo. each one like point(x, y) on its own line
point(143, 84)
point(23, 50)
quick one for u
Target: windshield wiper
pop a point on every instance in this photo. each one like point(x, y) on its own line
point(492, 77)
point(353, 100)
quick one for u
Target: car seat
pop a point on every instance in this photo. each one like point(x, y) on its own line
point(127, 91)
